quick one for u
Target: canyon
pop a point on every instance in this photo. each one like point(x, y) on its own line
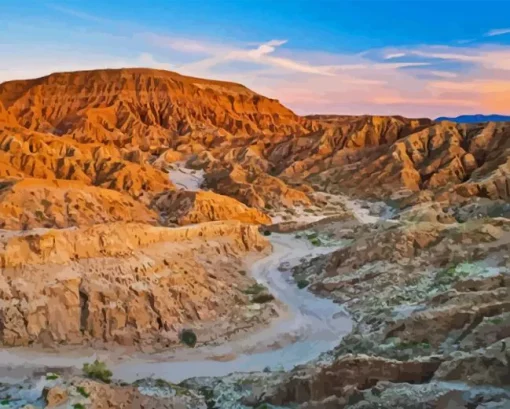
point(320, 261)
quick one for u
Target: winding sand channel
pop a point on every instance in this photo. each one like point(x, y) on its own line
point(308, 326)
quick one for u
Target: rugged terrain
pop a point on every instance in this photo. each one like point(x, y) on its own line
point(134, 204)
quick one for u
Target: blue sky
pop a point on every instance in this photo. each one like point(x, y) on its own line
point(414, 58)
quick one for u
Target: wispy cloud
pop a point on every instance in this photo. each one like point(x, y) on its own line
point(394, 55)
point(424, 80)
point(261, 55)
point(79, 14)
point(498, 32)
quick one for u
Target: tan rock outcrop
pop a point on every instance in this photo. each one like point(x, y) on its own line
point(184, 207)
point(130, 284)
point(31, 203)
point(345, 375)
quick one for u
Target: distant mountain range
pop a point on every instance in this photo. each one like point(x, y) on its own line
point(470, 119)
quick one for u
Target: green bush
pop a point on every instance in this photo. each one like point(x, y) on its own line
point(267, 233)
point(315, 241)
point(81, 390)
point(263, 298)
point(188, 337)
point(78, 406)
point(254, 289)
point(98, 370)
point(413, 345)
point(303, 283)
point(51, 376)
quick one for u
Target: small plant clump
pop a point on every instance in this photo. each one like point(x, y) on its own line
point(5, 402)
point(78, 406)
point(98, 370)
point(188, 337)
point(255, 289)
point(81, 390)
point(315, 241)
point(51, 376)
point(413, 345)
point(448, 276)
point(303, 283)
point(263, 298)
point(267, 233)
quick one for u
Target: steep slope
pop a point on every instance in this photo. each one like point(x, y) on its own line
point(32, 203)
point(184, 207)
point(144, 107)
point(29, 154)
point(106, 128)
point(471, 160)
point(131, 284)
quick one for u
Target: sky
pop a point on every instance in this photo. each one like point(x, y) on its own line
point(411, 58)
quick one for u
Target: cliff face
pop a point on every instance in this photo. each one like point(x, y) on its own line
point(131, 284)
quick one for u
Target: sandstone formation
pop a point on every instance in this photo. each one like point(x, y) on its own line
point(184, 207)
point(30, 203)
point(107, 127)
point(75, 391)
point(131, 284)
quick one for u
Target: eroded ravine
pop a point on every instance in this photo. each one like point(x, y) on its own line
point(308, 326)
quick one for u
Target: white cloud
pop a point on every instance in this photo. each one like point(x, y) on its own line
point(394, 55)
point(443, 74)
point(412, 81)
point(262, 55)
point(147, 60)
point(498, 32)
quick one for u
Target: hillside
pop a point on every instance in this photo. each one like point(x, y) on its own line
point(143, 107)
point(108, 128)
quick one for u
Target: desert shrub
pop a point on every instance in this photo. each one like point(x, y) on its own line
point(78, 406)
point(450, 275)
point(81, 390)
point(413, 345)
point(51, 376)
point(303, 283)
point(254, 289)
point(263, 298)
point(315, 241)
point(188, 337)
point(267, 233)
point(98, 370)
